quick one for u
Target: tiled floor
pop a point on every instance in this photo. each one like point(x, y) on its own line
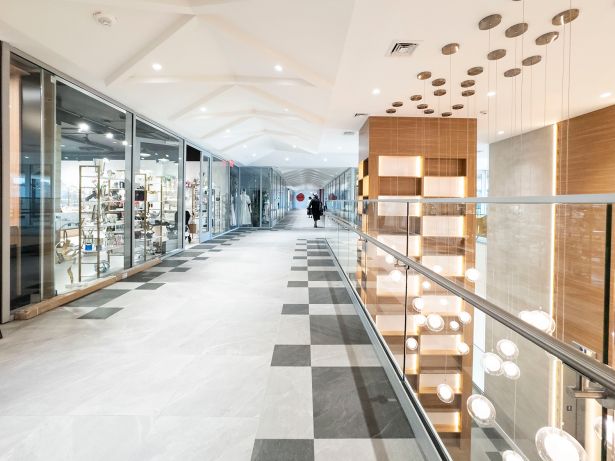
point(247, 347)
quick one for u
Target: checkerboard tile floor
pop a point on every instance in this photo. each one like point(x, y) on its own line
point(328, 397)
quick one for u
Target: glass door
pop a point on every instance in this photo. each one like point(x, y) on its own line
point(204, 221)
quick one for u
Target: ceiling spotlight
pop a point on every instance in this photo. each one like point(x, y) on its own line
point(511, 370)
point(463, 349)
point(109, 135)
point(507, 349)
point(492, 364)
point(376, 91)
point(324, 159)
point(203, 109)
point(445, 393)
point(157, 67)
point(278, 68)
point(435, 322)
point(481, 410)
point(472, 274)
point(554, 444)
point(608, 94)
point(104, 19)
point(418, 304)
point(491, 94)
point(83, 127)
point(412, 344)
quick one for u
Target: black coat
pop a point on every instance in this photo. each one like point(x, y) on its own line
point(314, 208)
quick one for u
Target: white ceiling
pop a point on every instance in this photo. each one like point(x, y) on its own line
point(218, 85)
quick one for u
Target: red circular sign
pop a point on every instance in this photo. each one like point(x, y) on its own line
point(300, 197)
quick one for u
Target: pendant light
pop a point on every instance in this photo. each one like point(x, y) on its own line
point(412, 344)
point(472, 274)
point(445, 393)
point(420, 320)
point(538, 319)
point(507, 349)
point(511, 370)
point(418, 304)
point(481, 410)
point(463, 348)
point(454, 325)
point(554, 444)
point(492, 364)
point(435, 323)
point(464, 317)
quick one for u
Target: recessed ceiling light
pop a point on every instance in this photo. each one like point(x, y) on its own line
point(203, 109)
point(253, 154)
point(491, 94)
point(376, 91)
point(157, 67)
point(339, 147)
point(608, 94)
point(286, 109)
point(83, 127)
point(245, 147)
point(278, 68)
point(228, 130)
point(109, 135)
point(104, 19)
point(325, 159)
point(286, 159)
point(500, 132)
point(294, 146)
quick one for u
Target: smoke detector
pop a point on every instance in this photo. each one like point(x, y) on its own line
point(402, 49)
point(104, 19)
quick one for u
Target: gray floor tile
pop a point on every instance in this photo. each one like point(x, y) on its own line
point(324, 276)
point(143, 277)
point(201, 258)
point(171, 263)
point(98, 298)
point(101, 313)
point(296, 309)
point(335, 295)
point(318, 253)
point(283, 450)
point(191, 253)
point(299, 257)
point(150, 286)
point(291, 356)
point(337, 329)
point(298, 268)
point(356, 402)
point(215, 251)
point(297, 284)
point(320, 263)
point(180, 269)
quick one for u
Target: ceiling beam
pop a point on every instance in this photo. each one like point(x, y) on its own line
point(123, 71)
point(225, 127)
point(201, 102)
point(283, 103)
point(276, 57)
point(218, 80)
point(242, 141)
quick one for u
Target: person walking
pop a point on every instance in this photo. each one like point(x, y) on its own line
point(315, 209)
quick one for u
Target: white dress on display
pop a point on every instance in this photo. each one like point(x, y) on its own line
point(244, 210)
point(233, 217)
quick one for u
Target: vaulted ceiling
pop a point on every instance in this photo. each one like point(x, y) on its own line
point(278, 82)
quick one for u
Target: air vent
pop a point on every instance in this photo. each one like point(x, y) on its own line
point(348, 133)
point(360, 114)
point(402, 49)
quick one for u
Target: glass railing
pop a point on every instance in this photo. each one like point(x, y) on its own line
point(498, 322)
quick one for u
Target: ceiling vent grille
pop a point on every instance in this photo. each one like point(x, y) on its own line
point(402, 49)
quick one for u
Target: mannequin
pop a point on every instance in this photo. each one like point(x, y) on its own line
point(233, 217)
point(245, 206)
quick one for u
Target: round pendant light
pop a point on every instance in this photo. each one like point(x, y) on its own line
point(467, 93)
point(418, 304)
point(474, 71)
point(437, 269)
point(426, 284)
point(412, 344)
point(546, 39)
point(435, 323)
point(395, 275)
point(507, 349)
point(449, 49)
point(489, 22)
point(554, 444)
point(511, 370)
point(420, 320)
point(389, 259)
point(510, 455)
point(516, 30)
point(438, 82)
point(463, 348)
point(472, 274)
point(467, 83)
point(454, 325)
point(565, 17)
point(532, 60)
point(464, 317)
point(445, 393)
point(428, 111)
point(446, 114)
point(424, 75)
point(391, 111)
point(397, 104)
point(422, 106)
point(492, 364)
point(538, 319)
point(481, 410)
point(439, 92)
point(512, 72)
point(496, 54)
point(416, 97)
point(457, 106)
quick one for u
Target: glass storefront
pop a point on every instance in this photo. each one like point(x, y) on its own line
point(220, 196)
point(262, 201)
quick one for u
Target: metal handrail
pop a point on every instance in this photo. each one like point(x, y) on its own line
point(575, 359)
point(588, 199)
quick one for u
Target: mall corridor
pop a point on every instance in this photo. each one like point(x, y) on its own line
point(251, 336)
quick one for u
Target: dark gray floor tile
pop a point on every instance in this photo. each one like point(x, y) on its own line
point(143, 277)
point(100, 313)
point(296, 309)
point(180, 269)
point(190, 253)
point(150, 286)
point(317, 253)
point(302, 250)
point(98, 298)
point(299, 257)
point(320, 262)
point(283, 450)
point(297, 284)
point(324, 276)
point(201, 258)
point(171, 263)
point(216, 250)
point(227, 244)
point(299, 268)
point(203, 246)
point(329, 295)
point(291, 356)
point(337, 329)
point(356, 402)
